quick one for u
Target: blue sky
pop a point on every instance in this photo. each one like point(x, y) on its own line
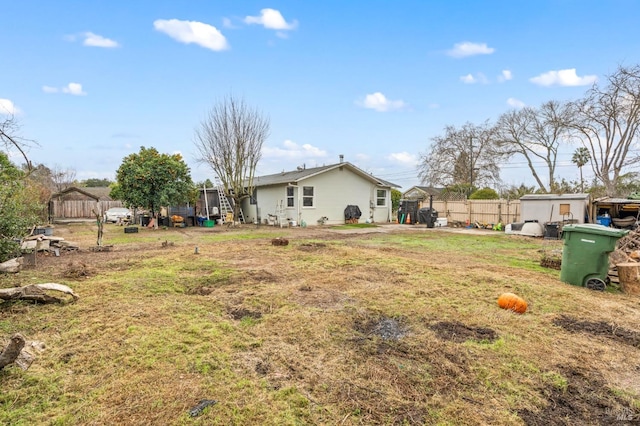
point(92, 81)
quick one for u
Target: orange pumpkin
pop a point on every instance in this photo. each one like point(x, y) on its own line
point(512, 302)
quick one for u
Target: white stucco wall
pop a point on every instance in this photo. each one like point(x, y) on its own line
point(333, 191)
point(549, 210)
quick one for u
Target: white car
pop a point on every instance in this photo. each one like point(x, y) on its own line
point(116, 214)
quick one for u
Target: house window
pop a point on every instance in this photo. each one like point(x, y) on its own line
point(307, 196)
point(565, 209)
point(290, 196)
point(381, 197)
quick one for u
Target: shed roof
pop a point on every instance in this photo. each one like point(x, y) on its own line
point(554, 197)
point(97, 193)
point(301, 174)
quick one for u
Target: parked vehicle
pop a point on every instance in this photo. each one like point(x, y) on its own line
point(116, 214)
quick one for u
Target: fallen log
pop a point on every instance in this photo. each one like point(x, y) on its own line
point(36, 293)
point(12, 266)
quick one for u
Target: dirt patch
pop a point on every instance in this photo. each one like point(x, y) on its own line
point(238, 313)
point(383, 327)
point(583, 401)
point(458, 332)
point(599, 328)
point(201, 291)
point(308, 247)
point(320, 298)
point(551, 262)
point(77, 270)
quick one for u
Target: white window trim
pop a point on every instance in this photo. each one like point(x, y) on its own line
point(386, 193)
point(292, 197)
point(313, 198)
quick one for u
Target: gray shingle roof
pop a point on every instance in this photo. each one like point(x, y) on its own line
point(296, 176)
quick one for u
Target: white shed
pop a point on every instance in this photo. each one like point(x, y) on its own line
point(567, 208)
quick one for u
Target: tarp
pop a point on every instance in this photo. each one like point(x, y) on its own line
point(352, 212)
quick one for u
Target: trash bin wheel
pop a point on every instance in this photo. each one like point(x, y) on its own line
point(595, 284)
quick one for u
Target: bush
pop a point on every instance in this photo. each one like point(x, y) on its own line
point(484, 194)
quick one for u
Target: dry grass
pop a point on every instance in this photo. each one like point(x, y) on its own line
point(361, 326)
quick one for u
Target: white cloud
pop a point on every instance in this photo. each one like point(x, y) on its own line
point(74, 89)
point(566, 77)
point(292, 150)
point(515, 103)
point(226, 23)
point(467, 48)
point(471, 79)
point(468, 79)
point(71, 89)
point(363, 157)
point(7, 107)
point(187, 32)
point(505, 76)
point(271, 19)
point(95, 40)
point(403, 158)
point(379, 102)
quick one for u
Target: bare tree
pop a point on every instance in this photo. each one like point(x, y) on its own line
point(607, 121)
point(230, 140)
point(462, 156)
point(11, 139)
point(62, 178)
point(536, 134)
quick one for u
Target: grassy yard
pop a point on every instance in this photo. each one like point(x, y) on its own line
point(351, 326)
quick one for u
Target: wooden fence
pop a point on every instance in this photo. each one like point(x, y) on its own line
point(79, 209)
point(481, 211)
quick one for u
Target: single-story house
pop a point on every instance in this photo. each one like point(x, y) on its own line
point(319, 195)
point(561, 208)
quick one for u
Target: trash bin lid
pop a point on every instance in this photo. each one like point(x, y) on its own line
point(592, 228)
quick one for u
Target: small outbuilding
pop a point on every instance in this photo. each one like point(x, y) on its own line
point(556, 208)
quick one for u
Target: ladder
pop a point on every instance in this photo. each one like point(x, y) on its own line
point(226, 209)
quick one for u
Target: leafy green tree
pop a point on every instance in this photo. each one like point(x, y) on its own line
point(458, 189)
point(396, 195)
point(484, 194)
point(580, 158)
point(95, 183)
point(515, 192)
point(19, 207)
point(151, 180)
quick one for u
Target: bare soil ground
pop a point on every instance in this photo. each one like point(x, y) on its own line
point(390, 325)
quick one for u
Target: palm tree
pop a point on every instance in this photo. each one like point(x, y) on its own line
point(581, 157)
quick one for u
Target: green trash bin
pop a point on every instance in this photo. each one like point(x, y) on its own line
point(585, 254)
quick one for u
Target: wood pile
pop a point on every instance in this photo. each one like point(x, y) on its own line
point(628, 251)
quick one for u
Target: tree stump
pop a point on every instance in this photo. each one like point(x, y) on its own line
point(629, 275)
point(12, 351)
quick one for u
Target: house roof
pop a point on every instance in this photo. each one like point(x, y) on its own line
point(554, 197)
point(303, 173)
point(97, 193)
point(609, 200)
point(429, 190)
